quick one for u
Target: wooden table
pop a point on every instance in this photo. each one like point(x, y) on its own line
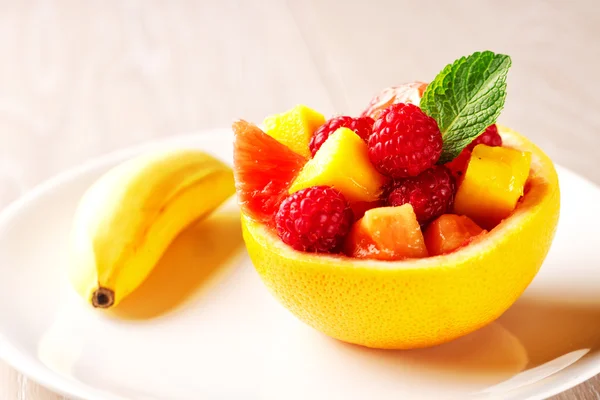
point(80, 78)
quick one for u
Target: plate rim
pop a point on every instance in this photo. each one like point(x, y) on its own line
point(65, 386)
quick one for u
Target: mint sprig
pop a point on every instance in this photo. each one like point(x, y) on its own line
point(465, 98)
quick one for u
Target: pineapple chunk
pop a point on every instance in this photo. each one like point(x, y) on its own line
point(294, 128)
point(343, 163)
point(492, 185)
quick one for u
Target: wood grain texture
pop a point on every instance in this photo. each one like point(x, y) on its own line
point(82, 77)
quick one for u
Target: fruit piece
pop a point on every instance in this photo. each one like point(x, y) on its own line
point(343, 163)
point(362, 126)
point(450, 232)
point(264, 170)
point(458, 166)
point(315, 219)
point(492, 185)
point(431, 193)
point(423, 302)
point(126, 219)
point(361, 207)
point(386, 233)
point(404, 142)
point(489, 137)
point(294, 128)
point(406, 93)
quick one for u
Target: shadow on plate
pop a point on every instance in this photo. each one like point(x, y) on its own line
point(534, 339)
point(194, 260)
point(531, 341)
point(491, 351)
point(467, 365)
point(532, 332)
point(549, 328)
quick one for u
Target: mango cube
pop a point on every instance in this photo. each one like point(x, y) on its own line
point(294, 128)
point(492, 185)
point(450, 232)
point(387, 233)
point(343, 163)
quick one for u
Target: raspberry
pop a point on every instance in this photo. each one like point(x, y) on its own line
point(315, 219)
point(431, 193)
point(404, 142)
point(489, 137)
point(362, 126)
point(458, 166)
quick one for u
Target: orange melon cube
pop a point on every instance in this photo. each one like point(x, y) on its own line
point(361, 207)
point(386, 233)
point(294, 128)
point(343, 163)
point(493, 184)
point(450, 232)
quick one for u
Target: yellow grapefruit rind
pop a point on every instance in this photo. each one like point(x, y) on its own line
point(422, 302)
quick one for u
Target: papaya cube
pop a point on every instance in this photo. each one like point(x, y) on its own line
point(450, 232)
point(294, 128)
point(361, 207)
point(386, 233)
point(492, 185)
point(343, 163)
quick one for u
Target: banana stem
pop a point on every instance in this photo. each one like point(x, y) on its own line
point(103, 298)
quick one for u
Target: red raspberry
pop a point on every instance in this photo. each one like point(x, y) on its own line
point(315, 219)
point(458, 166)
point(489, 137)
point(362, 126)
point(431, 193)
point(404, 142)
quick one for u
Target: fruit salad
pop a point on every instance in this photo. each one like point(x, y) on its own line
point(421, 172)
point(408, 225)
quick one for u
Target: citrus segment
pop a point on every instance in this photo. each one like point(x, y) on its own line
point(418, 302)
point(405, 93)
point(294, 128)
point(263, 170)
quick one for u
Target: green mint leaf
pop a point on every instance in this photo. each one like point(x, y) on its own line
point(465, 98)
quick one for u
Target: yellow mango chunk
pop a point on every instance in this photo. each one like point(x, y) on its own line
point(294, 128)
point(343, 163)
point(492, 185)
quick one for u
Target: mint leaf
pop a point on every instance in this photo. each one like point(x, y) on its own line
point(465, 98)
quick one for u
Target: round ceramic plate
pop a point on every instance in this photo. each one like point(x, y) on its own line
point(204, 327)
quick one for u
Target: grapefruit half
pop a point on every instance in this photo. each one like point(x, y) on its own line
point(423, 302)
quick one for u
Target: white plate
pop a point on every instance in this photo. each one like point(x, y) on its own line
point(204, 327)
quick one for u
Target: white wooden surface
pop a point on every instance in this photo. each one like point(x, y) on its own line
point(79, 78)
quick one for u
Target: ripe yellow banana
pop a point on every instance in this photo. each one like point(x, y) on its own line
point(126, 219)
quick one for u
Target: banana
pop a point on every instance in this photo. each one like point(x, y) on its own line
point(126, 220)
